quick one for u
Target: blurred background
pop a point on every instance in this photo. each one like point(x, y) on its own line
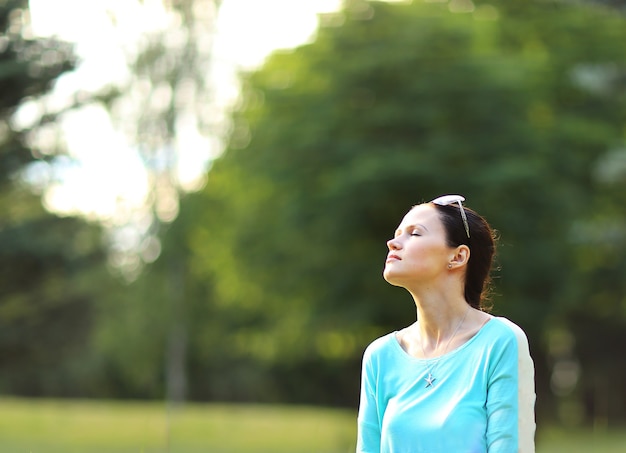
point(196, 194)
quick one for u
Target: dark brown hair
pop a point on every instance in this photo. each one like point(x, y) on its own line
point(482, 245)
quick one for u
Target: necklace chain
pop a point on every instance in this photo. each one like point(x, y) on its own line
point(430, 379)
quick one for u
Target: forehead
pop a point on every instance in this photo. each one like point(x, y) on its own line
point(423, 214)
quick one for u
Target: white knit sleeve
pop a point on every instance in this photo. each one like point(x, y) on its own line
point(526, 391)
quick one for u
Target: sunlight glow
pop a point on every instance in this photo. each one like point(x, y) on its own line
point(108, 174)
point(105, 33)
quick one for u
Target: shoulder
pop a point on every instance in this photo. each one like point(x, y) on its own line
point(508, 329)
point(507, 337)
point(380, 346)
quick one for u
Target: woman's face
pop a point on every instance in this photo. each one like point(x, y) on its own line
point(418, 253)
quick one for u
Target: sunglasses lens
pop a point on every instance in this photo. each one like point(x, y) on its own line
point(447, 200)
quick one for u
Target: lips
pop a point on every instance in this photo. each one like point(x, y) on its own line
point(392, 257)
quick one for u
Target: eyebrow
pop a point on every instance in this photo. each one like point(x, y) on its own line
point(408, 227)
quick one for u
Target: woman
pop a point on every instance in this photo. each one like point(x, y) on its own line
point(458, 380)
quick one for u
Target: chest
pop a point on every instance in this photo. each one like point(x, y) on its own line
point(447, 415)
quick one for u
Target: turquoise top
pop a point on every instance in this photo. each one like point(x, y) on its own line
point(481, 400)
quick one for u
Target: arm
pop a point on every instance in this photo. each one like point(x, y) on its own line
point(511, 398)
point(368, 432)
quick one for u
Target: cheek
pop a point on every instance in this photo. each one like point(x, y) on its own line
point(428, 257)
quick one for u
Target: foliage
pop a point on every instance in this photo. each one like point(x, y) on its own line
point(268, 286)
point(513, 104)
point(166, 106)
point(61, 310)
point(166, 109)
point(51, 266)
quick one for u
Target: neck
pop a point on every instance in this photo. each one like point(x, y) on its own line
point(438, 321)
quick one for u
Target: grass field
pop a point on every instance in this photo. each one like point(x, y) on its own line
point(57, 426)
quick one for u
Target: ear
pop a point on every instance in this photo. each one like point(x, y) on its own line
point(460, 257)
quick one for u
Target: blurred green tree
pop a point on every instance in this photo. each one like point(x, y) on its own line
point(173, 118)
point(52, 267)
point(516, 104)
point(166, 108)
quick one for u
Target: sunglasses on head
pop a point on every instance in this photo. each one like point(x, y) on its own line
point(447, 200)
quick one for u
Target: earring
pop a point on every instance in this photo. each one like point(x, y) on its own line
point(449, 266)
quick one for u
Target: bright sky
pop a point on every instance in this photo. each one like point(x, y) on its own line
point(247, 31)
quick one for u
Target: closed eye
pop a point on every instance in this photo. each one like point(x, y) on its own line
point(411, 230)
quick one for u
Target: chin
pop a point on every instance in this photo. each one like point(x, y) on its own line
point(388, 276)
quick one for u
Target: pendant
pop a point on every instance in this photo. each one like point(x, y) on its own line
point(429, 380)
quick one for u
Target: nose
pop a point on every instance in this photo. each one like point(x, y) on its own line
point(393, 244)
